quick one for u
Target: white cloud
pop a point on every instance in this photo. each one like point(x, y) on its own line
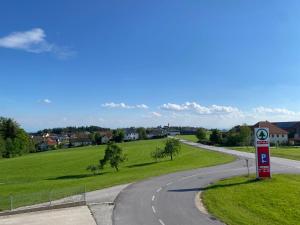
point(156, 114)
point(122, 105)
point(33, 41)
point(199, 109)
point(142, 106)
point(277, 111)
point(172, 107)
point(47, 101)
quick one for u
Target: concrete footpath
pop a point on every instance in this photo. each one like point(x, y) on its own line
point(68, 216)
point(101, 203)
point(99, 209)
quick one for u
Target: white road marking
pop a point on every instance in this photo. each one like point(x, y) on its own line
point(201, 174)
point(153, 198)
point(153, 209)
point(169, 183)
point(159, 189)
point(161, 222)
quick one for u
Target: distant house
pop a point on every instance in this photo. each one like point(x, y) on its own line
point(106, 137)
point(44, 144)
point(293, 129)
point(131, 134)
point(80, 139)
point(52, 143)
point(173, 132)
point(156, 133)
point(277, 135)
point(188, 130)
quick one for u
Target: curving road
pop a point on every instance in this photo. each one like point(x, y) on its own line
point(170, 199)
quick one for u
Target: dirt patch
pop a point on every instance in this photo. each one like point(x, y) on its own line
point(199, 204)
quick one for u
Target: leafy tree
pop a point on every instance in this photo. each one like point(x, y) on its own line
point(142, 133)
point(245, 135)
point(201, 134)
point(172, 147)
point(216, 137)
point(98, 138)
point(8, 128)
point(9, 148)
point(114, 155)
point(2, 146)
point(14, 140)
point(158, 154)
point(118, 135)
point(92, 138)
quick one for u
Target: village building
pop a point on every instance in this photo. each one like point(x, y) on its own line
point(131, 134)
point(293, 129)
point(277, 135)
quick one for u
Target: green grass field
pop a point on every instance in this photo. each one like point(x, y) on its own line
point(240, 201)
point(60, 169)
point(284, 152)
point(192, 138)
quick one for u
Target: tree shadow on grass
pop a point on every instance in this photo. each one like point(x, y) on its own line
point(76, 176)
point(214, 186)
point(141, 164)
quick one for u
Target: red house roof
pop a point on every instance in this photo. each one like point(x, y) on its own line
point(273, 129)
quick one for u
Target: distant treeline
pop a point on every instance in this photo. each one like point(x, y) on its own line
point(65, 130)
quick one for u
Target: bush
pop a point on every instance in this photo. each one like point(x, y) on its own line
point(93, 168)
point(158, 154)
point(201, 134)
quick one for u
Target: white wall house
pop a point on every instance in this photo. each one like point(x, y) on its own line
point(278, 138)
point(277, 135)
point(131, 135)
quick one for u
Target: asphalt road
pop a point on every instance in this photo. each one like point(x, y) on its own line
point(170, 199)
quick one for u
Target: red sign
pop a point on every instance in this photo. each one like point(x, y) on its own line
point(263, 166)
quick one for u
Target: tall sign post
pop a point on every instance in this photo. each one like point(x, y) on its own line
point(262, 144)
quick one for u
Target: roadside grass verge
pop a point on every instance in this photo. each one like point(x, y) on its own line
point(284, 152)
point(192, 138)
point(244, 201)
point(55, 170)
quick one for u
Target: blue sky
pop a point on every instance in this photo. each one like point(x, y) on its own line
point(210, 63)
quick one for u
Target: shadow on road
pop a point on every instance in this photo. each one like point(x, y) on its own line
point(185, 190)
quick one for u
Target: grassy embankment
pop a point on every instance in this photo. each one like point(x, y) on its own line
point(284, 152)
point(55, 170)
point(240, 201)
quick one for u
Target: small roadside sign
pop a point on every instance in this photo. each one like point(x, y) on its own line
point(262, 144)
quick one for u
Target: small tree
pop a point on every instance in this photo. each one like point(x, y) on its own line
point(118, 135)
point(172, 147)
point(245, 135)
point(201, 134)
point(158, 154)
point(216, 136)
point(114, 155)
point(142, 133)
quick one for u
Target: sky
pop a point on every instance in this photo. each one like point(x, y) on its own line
point(209, 63)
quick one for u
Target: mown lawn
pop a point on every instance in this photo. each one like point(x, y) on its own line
point(61, 169)
point(284, 152)
point(192, 138)
point(240, 201)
